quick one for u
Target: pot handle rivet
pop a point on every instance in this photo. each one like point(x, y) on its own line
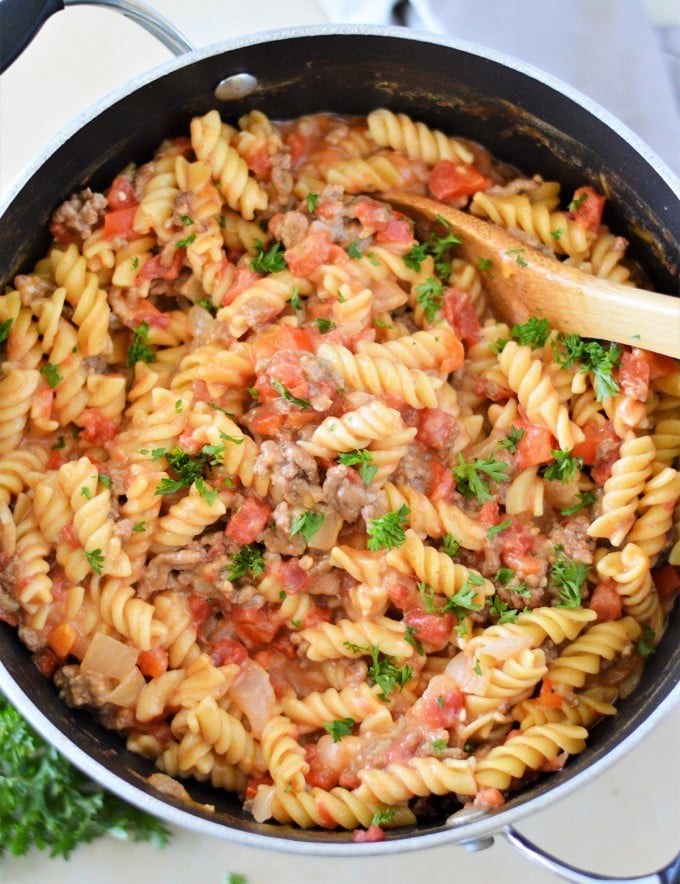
point(235, 86)
point(476, 844)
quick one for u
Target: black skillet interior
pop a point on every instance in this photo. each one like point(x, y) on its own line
point(521, 120)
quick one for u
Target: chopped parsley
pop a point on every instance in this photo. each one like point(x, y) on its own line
point(518, 256)
point(189, 469)
point(411, 637)
point(469, 480)
point(140, 349)
point(186, 220)
point(367, 469)
point(187, 241)
point(139, 527)
point(325, 325)
point(415, 256)
point(504, 576)
point(585, 499)
point(578, 202)
point(592, 356)
point(645, 644)
point(463, 601)
point(294, 300)
point(568, 577)
point(86, 493)
point(430, 296)
point(388, 531)
point(484, 265)
point(386, 674)
point(248, 560)
point(354, 251)
point(339, 728)
point(95, 559)
point(51, 374)
point(60, 443)
point(512, 439)
point(502, 611)
point(269, 260)
point(311, 199)
point(438, 746)
point(306, 524)
point(565, 467)
point(496, 529)
point(427, 594)
point(105, 480)
point(207, 304)
point(288, 396)
point(383, 816)
point(451, 545)
point(557, 233)
point(4, 330)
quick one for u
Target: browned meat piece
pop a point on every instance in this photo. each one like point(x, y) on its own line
point(344, 489)
point(77, 217)
point(83, 688)
point(293, 473)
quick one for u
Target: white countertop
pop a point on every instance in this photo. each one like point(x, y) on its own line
point(625, 822)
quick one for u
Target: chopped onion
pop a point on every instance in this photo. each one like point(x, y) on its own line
point(501, 648)
point(253, 695)
point(109, 657)
point(461, 670)
point(261, 807)
point(126, 693)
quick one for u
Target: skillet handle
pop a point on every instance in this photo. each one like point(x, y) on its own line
point(670, 874)
point(20, 21)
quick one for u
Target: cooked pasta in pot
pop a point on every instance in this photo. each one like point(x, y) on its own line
point(286, 505)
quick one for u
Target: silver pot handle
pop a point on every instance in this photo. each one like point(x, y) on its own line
point(148, 18)
point(670, 874)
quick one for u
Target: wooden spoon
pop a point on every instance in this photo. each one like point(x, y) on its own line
point(524, 282)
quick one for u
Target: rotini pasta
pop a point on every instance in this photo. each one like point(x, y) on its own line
point(286, 503)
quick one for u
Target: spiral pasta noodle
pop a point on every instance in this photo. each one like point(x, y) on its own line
point(287, 505)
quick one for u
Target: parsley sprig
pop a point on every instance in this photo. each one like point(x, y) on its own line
point(568, 577)
point(388, 531)
point(565, 467)
point(190, 469)
point(306, 524)
point(248, 560)
point(469, 479)
point(363, 458)
point(269, 260)
point(430, 296)
point(48, 804)
point(284, 393)
point(593, 357)
point(140, 348)
point(339, 728)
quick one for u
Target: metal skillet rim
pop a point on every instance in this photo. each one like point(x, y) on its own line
point(474, 828)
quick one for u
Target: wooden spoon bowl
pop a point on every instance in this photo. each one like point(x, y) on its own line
point(523, 282)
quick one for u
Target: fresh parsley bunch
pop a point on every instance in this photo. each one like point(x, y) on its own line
point(46, 803)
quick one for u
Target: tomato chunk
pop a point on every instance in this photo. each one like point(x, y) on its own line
point(435, 426)
point(246, 523)
point(634, 375)
point(450, 181)
point(254, 626)
point(309, 254)
point(98, 429)
point(120, 222)
point(293, 577)
point(121, 194)
point(228, 650)
point(667, 580)
point(281, 337)
point(606, 602)
point(535, 446)
point(588, 205)
point(460, 314)
point(433, 629)
point(153, 662)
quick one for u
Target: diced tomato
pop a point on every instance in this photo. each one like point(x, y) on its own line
point(403, 596)
point(55, 460)
point(366, 836)
point(441, 482)
point(199, 608)
point(659, 365)
point(258, 161)
point(460, 315)
point(120, 222)
point(266, 420)
point(599, 449)
point(246, 523)
point(442, 711)
point(309, 254)
point(398, 229)
point(667, 581)
point(69, 537)
point(153, 662)
point(634, 376)
point(298, 145)
point(98, 428)
point(606, 602)
point(588, 208)
point(285, 371)
point(121, 194)
point(433, 629)
point(145, 311)
point(254, 626)
point(293, 578)
point(46, 661)
point(281, 337)
point(228, 650)
point(435, 427)
point(535, 446)
point(373, 215)
point(547, 695)
point(489, 513)
point(254, 782)
point(455, 356)
point(320, 773)
point(316, 615)
point(449, 181)
point(155, 268)
point(521, 562)
point(488, 798)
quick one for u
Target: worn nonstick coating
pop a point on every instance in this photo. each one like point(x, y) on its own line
point(525, 118)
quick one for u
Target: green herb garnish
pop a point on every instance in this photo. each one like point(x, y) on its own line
point(306, 524)
point(469, 481)
point(388, 531)
point(269, 260)
point(339, 728)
